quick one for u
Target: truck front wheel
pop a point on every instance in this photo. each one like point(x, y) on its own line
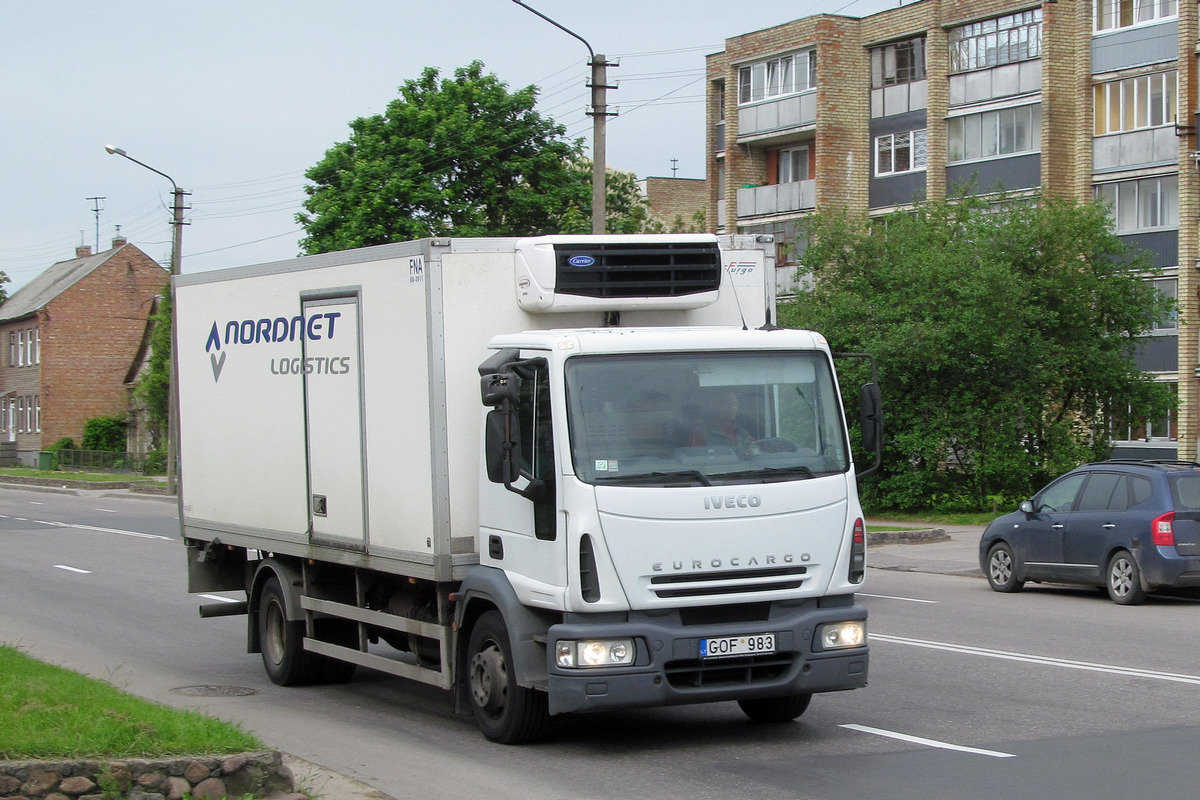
point(775, 709)
point(505, 712)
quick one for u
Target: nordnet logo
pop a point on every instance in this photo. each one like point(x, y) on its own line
point(274, 330)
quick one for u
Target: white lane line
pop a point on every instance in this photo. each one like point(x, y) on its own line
point(135, 534)
point(905, 599)
point(73, 569)
point(107, 510)
point(219, 598)
point(904, 737)
point(36, 503)
point(1029, 658)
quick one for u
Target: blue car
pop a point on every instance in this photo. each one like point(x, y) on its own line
point(1129, 526)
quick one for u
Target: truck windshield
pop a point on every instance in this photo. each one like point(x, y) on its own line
point(687, 419)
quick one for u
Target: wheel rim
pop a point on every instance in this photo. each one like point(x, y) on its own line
point(273, 645)
point(1120, 577)
point(489, 680)
point(1002, 567)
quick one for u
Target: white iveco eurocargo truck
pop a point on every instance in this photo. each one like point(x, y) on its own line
point(556, 474)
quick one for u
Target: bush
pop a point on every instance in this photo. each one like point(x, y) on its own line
point(65, 443)
point(104, 433)
point(155, 463)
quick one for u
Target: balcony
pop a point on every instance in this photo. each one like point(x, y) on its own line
point(775, 116)
point(757, 201)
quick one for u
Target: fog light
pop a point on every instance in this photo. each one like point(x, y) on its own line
point(570, 654)
point(839, 635)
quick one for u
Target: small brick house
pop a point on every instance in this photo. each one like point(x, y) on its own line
point(67, 340)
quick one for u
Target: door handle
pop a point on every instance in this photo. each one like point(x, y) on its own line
point(1109, 526)
point(1057, 526)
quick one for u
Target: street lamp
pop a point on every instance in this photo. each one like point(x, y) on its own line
point(599, 115)
point(176, 255)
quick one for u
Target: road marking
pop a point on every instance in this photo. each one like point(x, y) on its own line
point(73, 569)
point(1029, 658)
point(905, 599)
point(36, 503)
point(135, 534)
point(107, 510)
point(904, 737)
point(218, 597)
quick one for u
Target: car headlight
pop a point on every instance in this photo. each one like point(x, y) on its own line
point(584, 653)
point(840, 635)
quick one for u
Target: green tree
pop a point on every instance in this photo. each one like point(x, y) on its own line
point(1004, 334)
point(3, 292)
point(154, 387)
point(461, 155)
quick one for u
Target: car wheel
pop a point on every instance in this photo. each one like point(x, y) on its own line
point(1002, 569)
point(505, 711)
point(1125, 580)
point(775, 709)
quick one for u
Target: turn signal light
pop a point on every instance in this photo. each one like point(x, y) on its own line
point(1162, 529)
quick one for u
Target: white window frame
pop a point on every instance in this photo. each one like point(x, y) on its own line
point(993, 134)
point(885, 68)
point(20, 348)
point(12, 348)
point(1143, 204)
point(37, 413)
point(789, 160)
point(1130, 104)
point(992, 42)
point(1111, 15)
point(777, 77)
point(916, 143)
point(37, 346)
point(20, 415)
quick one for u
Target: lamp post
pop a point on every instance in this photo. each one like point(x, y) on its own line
point(599, 114)
point(176, 255)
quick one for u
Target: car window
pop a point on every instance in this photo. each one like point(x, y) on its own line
point(1185, 489)
point(1105, 491)
point(1142, 488)
point(1060, 496)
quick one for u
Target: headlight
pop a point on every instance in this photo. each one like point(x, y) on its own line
point(571, 654)
point(840, 635)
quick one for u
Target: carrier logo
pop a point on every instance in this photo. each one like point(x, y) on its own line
point(279, 329)
point(581, 261)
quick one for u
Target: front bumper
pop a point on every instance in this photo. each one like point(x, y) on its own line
point(668, 669)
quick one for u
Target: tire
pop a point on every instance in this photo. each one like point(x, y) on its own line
point(775, 709)
point(1002, 569)
point(505, 712)
point(1125, 580)
point(282, 642)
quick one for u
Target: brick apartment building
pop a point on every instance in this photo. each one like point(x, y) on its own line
point(675, 202)
point(1076, 98)
point(68, 339)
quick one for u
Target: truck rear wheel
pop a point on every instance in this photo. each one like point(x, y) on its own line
point(775, 709)
point(282, 642)
point(505, 712)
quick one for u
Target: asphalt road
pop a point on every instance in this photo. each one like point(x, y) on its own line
point(1053, 692)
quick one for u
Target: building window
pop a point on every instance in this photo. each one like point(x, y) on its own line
point(900, 152)
point(1113, 14)
point(1131, 425)
point(20, 415)
point(1170, 288)
point(793, 165)
point(12, 348)
point(788, 245)
point(1144, 204)
point(29, 346)
point(37, 413)
point(1004, 132)
point(37, 346)
point(899, 62)
point(1129, 104)
point(795, 72)
point(1004, 40)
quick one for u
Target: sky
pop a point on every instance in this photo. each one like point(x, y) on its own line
point(236, 99)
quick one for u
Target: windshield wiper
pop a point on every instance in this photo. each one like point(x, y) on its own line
point(768, 473)
point(650, 477)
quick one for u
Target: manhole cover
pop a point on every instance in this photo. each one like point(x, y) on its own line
point(215, 691)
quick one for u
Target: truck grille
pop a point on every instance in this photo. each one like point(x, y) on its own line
point(637, 270)
point(709, 584)
point(696, 674)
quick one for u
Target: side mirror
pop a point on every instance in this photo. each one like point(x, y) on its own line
point(870, 416)
point(1027, 507)
point(502, 437)
point(496, 387)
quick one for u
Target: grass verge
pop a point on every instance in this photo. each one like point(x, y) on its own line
point(928, 518)
point(63, 475)
point(47, 712)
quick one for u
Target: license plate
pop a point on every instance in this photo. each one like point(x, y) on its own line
point(737, 645)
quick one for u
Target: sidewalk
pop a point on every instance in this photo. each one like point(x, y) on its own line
point(956, 555)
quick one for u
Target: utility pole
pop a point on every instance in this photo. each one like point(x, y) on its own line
point(674, 167)
point(599, 114)
point(96, 209)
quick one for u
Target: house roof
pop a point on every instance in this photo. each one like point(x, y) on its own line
point(51, 283)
